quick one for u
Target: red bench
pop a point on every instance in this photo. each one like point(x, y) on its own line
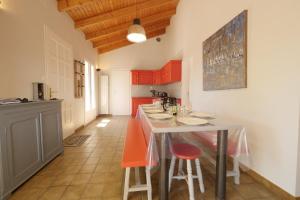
point(134, 155)
point(209, 141)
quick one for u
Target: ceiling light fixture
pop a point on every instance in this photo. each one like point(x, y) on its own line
point(136, 33)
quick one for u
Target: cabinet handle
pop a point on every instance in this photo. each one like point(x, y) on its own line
point(42, 138)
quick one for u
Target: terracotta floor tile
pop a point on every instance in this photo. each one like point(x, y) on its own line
point(63, 180)
point(73, 192)
point(112, 190)
point(87, 168)
point(53, 193)
point(81, 179)
point(93, 191)
point(30, 194)
point(40, 182)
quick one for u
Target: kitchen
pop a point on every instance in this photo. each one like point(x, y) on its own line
point(81, 104)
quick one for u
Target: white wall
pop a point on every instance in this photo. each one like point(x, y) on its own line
point(22, 46)
point(268, 108)
point(147, 55)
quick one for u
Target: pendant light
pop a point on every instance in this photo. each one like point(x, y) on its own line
point(136, 33)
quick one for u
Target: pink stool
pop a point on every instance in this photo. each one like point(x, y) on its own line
point(186, 152)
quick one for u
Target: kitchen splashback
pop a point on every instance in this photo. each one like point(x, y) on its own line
point(173, 90)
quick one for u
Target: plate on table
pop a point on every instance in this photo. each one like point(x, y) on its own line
point(154, 111)
point(202, 115)
point(192, 121)
point(160, 116)
point(151, 108)
point(147, 105)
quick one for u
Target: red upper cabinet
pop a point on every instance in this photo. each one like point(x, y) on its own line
point(170, 73)
point(175, 70)
point(157, 77)
point(134, 77)
point(146, 77)
point(142, 77)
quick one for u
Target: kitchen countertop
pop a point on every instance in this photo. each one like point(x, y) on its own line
point(145, 97)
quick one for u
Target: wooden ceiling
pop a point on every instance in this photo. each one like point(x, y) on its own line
point(105, 22)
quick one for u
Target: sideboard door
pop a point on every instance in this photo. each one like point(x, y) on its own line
point(52, 142)
point(23, 146)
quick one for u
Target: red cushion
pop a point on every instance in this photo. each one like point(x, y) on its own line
point(186, 151)
point(209, 139)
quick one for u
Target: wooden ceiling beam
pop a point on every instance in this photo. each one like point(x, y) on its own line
point(124, 26)
point(130, 10)
point(121, 36)
point(65, 5)
point(125, 42)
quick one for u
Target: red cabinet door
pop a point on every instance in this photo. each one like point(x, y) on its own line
point(175, 70)
point(134, 77)
point(166, 74)
point(145, 77)
point(157, 77)
point(170, 73)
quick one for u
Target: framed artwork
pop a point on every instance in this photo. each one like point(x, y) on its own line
point(225, 56)
point(78, 78)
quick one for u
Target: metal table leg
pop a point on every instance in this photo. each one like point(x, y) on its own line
point(163, 187)
point(221, 165)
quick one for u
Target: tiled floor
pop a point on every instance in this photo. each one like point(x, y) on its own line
point(92, 171)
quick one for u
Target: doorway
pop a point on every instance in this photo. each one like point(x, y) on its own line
point(120, 92)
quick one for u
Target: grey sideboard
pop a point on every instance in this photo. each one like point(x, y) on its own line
point(30, 137)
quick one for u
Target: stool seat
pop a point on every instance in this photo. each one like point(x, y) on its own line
point(186, 151)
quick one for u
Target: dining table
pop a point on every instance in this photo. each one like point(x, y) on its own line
point(161, 129)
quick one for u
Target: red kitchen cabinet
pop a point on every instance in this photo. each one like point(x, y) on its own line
point(175, 70)
point(136, 101)
point(146, 77)
point(157, 77)
point(142, 77)
point(171, 72)
point(135, 77)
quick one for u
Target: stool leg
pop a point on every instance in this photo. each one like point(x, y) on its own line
point(190, 180)
point(126, 185)
point(236, 169)
point(180, 167)
point(199, 175)
point(171, 171)
point(149, 187)
point(137, 176)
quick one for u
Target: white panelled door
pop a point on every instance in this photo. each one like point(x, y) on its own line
point(59, 73)
point(104, 94)
point(120, 92)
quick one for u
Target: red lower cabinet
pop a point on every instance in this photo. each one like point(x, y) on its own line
point(136, 101)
